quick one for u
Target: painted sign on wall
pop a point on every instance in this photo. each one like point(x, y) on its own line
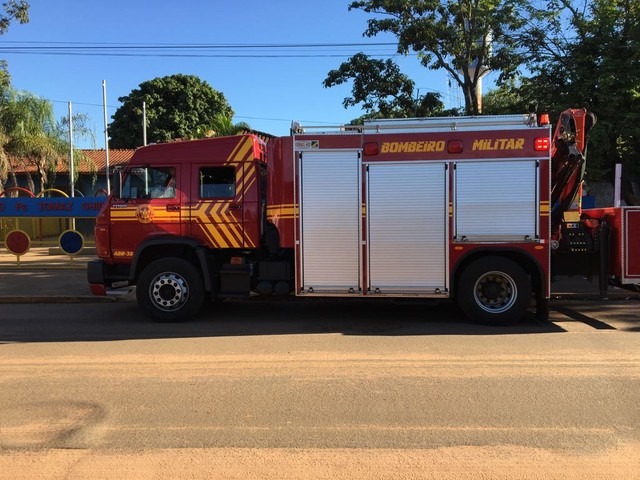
point(77, 207)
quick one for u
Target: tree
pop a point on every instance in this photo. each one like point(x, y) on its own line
point(30, 136)
point(382, 89)
point(221, 126)
point(177, 105)
point(460, 36)
point(590, 57)
point(12, 10)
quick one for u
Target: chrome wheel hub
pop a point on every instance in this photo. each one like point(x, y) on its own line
point(169, 291)
point(495, 292)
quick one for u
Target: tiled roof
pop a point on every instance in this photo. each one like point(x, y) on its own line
point(116, 158)
point(95, 157)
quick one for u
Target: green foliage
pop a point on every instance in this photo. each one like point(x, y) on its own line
point(378, 85)
point(177, 106)
point(17, 10)
point(30, 136)
point(12, 10)
point(382, 89)
point(221, 126)
point(591, 59)
point(504, 100)
point(461, 37)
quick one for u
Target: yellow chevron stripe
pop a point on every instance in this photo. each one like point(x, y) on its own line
point(212, 234)
point(212, 224)
point(248, 242)
point(235, 149)
point(248, 179)
point(230, 232)
point(203, 221)
point(240, 152)
point(225, 225)
point(250, 183)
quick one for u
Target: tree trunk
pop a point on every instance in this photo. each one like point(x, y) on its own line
point(30, 183)
point(12, 175)
point(43, 176)
point(470, 95)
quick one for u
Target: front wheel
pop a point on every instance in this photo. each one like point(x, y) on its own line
point(170, 290)
point(494, 290)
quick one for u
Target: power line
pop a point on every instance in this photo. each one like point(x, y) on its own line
point(184, 55)
point(27, 44)
point(245, 117)
point(196, 50)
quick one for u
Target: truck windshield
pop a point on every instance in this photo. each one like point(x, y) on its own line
point(149, 182)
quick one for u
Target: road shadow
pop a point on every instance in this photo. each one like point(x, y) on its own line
point(601, 314)
point(126, 321)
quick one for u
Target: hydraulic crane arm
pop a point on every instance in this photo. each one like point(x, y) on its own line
point(568, 155)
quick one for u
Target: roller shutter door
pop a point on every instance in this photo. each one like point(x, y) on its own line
point(496, 200)
point(330, 216)
point(407, 215)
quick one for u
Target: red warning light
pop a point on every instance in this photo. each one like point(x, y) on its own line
point(455, 146)
point(542, 144)
point(371, 148)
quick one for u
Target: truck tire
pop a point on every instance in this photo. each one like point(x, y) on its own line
point(494, 290)
point(170, 290)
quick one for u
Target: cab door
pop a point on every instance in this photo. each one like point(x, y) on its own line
point(149, 205)
point(216, 208)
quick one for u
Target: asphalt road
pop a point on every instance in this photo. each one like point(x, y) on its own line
point(318, 389)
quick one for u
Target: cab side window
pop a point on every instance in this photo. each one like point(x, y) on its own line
point(164, 183)
point(150, 182)
point(217, 182)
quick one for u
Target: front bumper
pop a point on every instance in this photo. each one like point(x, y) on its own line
point(107, 278)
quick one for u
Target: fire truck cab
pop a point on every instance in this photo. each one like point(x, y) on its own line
point(425, 208)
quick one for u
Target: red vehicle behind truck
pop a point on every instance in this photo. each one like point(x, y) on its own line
point(466, 208)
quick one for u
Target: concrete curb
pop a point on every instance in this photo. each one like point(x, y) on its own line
point(31, 299)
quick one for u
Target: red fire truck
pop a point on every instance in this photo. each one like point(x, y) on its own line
point(466, 208)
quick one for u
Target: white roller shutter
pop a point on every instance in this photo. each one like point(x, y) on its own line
point(496, 200)
point(330, 216)
point(407, 215)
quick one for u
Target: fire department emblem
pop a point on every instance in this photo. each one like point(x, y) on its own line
point(144, 214)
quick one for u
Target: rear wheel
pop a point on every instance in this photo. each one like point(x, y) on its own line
point(170, 290)
point(494, 290)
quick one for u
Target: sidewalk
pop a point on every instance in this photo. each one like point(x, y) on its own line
point(46, 275)
point(43, 277)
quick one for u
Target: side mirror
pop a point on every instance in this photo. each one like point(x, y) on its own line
point(116, 183)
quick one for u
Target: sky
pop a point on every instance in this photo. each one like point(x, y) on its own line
point(266, 87)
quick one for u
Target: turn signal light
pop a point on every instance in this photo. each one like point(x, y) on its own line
point(542, 144)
